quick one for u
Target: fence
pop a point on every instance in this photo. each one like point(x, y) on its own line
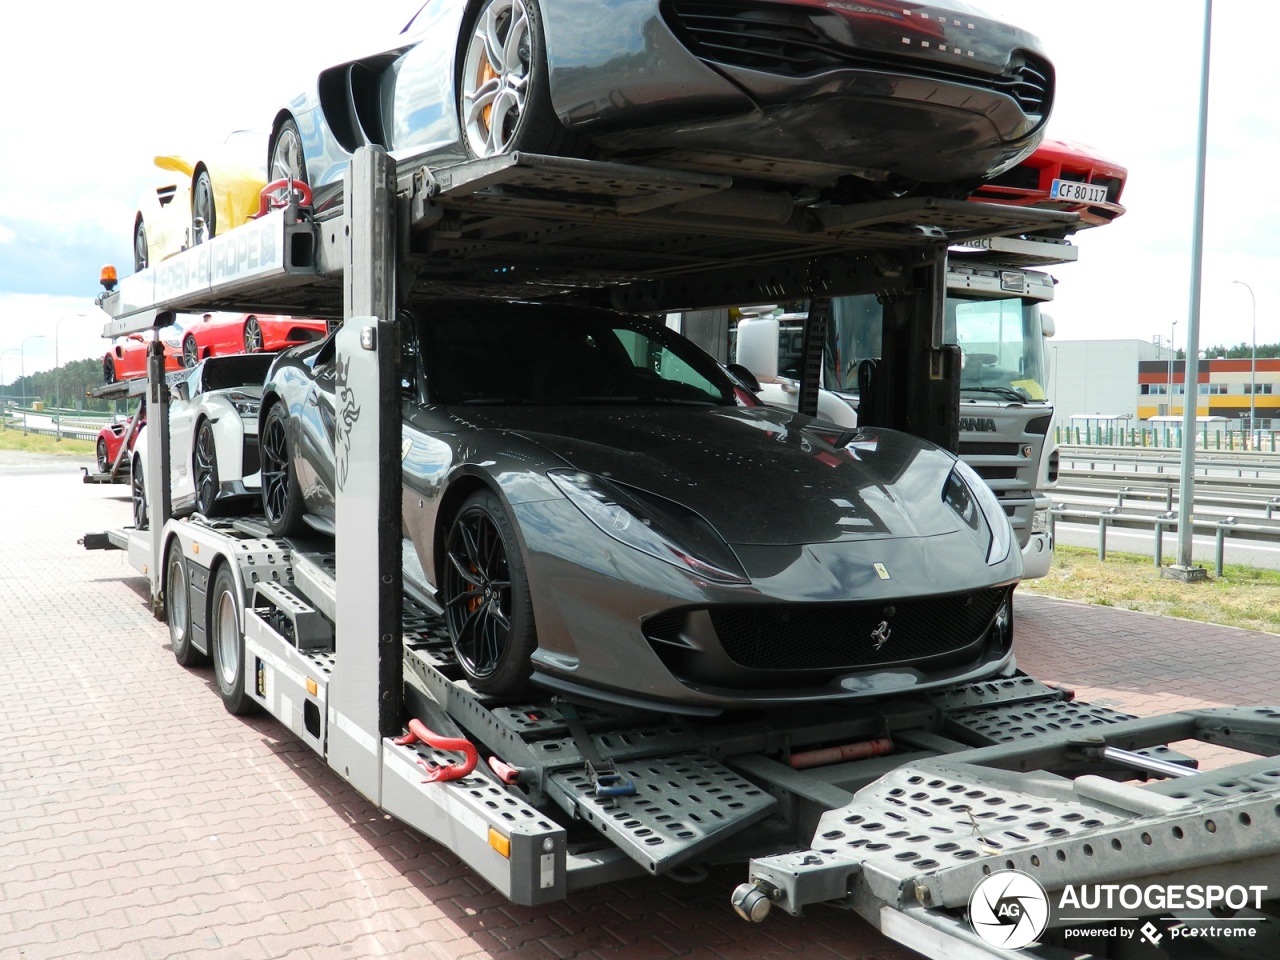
point(1167, 436)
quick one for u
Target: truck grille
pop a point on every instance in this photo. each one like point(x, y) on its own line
point(839, 635)
point(784, 39)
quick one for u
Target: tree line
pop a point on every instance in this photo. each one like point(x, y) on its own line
point(67, 384)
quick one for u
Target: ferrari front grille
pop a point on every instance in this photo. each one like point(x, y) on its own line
point(842, 636)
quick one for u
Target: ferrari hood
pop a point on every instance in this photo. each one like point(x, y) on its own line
point(757, 475)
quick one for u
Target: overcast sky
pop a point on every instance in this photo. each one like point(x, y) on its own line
point(92, 95)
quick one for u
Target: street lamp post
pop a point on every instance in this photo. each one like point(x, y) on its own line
point(57, 375)
point(1253, 362)
point(1173, 325)
point(22, 373)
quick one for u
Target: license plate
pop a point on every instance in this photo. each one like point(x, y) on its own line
point(1076, 192)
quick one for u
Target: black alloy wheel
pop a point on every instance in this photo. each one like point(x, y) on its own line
point(103, 463)
point(486, 598)
point(203, 208)
point(281, 495)
point(108, 370)
point(140, 257)
point(138, 494)
point(190, 352)
point(252, 336)
point(204, 469)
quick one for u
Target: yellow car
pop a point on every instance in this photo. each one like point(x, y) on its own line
point(199, 198)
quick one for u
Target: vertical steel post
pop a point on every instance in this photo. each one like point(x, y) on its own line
point(365, 689)
point(1186, 533)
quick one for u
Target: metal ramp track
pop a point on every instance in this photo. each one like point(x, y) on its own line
point(684, 804)
point(573, 227)
point(925, 834)
point(1010, 709)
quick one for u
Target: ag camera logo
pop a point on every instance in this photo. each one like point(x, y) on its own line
point(1009, 909)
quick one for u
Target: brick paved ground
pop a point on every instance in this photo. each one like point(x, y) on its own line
point(139, 820)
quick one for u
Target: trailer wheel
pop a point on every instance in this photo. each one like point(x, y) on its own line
point(103, 463)
point(204, 469)
point(138, 493)
point(190, 352)
point(504, 98)
point(281, 495)
point(177, 604)
point(226, 640)
point(486, 598)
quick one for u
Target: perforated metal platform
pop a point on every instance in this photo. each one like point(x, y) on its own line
point(683, 805)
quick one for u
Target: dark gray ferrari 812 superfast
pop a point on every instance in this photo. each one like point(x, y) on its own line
point(809, 94)
point(604, 513)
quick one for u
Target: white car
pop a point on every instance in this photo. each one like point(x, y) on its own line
point(213, 431)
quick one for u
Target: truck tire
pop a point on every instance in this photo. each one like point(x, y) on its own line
point(486, 598)
point(177, 605)
point(226, 641)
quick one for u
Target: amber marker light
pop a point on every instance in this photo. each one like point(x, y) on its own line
point(500, 843)
point(108, 278)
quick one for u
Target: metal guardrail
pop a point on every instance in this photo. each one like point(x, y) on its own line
point(68, 432)
point(1160, 523)
point(1259, 465)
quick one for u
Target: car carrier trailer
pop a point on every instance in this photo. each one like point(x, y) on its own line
point(896, 809)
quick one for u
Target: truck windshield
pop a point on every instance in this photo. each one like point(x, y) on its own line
point(1000, 340)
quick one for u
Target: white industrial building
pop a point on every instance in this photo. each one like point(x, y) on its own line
point(1097, 377)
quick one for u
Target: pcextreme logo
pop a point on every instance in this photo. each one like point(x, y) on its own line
point(1009, 909)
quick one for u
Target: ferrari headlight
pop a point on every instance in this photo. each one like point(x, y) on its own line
point(977, 507)
point(245, 405)
point(649, 524)
point(171, 337)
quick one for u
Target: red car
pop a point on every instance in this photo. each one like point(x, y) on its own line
point(222, 334)
point(1061, 176)
point(127, 358)
point(110, 439)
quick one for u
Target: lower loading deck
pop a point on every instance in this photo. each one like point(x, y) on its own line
point(1004, 774)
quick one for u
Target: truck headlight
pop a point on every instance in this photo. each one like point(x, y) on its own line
point(1040, 521)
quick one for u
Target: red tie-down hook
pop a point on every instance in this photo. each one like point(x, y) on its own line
point(418, 732)
point(277, 194)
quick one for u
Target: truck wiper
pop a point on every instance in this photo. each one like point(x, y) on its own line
point(1007, 392)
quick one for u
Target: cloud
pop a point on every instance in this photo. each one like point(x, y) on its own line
point(6, 234)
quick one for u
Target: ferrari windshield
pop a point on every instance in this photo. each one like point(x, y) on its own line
point(504, 353)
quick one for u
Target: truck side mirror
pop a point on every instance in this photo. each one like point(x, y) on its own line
point(1047, 325)
point(757, 348)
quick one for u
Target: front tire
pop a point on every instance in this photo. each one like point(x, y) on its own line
point(252, 336)
point(108, 370)
point(104, 464)
point(141, 258)
point(138, 494)
point(190, 352)
point(177, 604)
point(204, 469)
point(281, 495)
point(285, 160)
point(226, 640)
point(486, 598)
point(504, 98)
point(203, 208)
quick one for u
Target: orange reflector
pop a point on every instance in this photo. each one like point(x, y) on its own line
point(500, 843)
point(195, 548)
point(311, 686)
